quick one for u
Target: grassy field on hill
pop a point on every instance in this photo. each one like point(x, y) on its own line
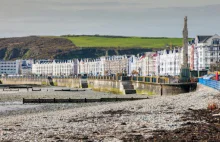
point(124, 42)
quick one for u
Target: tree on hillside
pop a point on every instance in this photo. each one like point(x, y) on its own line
point(134, 72)
point(106, 72)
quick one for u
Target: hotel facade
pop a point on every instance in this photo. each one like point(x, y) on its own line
point(54, 67)
point(204, 51)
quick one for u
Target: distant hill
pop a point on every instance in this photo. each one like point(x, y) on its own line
point(69, 47)
point(34, 47)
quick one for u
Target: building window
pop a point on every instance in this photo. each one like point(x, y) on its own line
point(211, 60)
point(215, 41)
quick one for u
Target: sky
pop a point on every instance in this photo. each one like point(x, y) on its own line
point(147, 18)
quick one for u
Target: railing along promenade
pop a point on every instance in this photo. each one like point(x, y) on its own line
point(146, 79)
point(210, 83)
point(39, 77)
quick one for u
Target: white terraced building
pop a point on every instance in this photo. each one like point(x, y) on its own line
point(92, 67)
point(169, 62)
point(204, 51)
point(141, 65)
point(105, 65)
point(116, 64)
point(54, 68)
point(132, 65)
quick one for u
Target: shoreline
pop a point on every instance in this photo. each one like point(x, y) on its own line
point(108, 122)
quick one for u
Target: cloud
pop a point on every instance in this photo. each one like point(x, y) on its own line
point(119, 17)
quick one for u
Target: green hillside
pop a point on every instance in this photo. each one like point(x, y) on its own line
point(82, 46)
point(124, 42)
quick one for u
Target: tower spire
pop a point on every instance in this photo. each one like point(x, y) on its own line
point(185, 44)
point(185, 72)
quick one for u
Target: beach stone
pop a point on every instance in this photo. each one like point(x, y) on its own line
point(103, 121)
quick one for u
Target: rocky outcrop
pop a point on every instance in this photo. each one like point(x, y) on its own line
point(34, 47)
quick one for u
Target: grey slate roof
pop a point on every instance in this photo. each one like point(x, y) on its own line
point(202, 39)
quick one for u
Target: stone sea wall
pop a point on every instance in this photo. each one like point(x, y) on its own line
point(63, 82)
point(104, 85)
point(163, 89)
point(67, 82)
point(24, 81)
point(109, 86)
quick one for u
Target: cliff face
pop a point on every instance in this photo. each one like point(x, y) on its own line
point(97, 52)
point(34, 47)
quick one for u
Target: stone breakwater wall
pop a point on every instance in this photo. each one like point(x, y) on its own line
point(118, 87)
point(25, 81)
point(67, 82)
point(63, 82)
point(163, 89)
point(110, 86)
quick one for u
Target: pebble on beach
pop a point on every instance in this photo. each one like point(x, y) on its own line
point(105, 121)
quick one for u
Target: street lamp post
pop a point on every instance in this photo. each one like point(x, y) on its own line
point(139, 70)
point(197, 61)
point(174, 65)
point(217, 50)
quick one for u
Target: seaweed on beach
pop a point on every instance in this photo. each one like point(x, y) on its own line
point(206, 128)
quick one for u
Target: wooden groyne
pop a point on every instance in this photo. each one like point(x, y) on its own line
point(79, 100)
point(36, 89)
point(17, 88)
point(70, 90)
point(6, 89)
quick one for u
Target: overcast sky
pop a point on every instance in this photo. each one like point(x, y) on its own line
point(109, 17)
